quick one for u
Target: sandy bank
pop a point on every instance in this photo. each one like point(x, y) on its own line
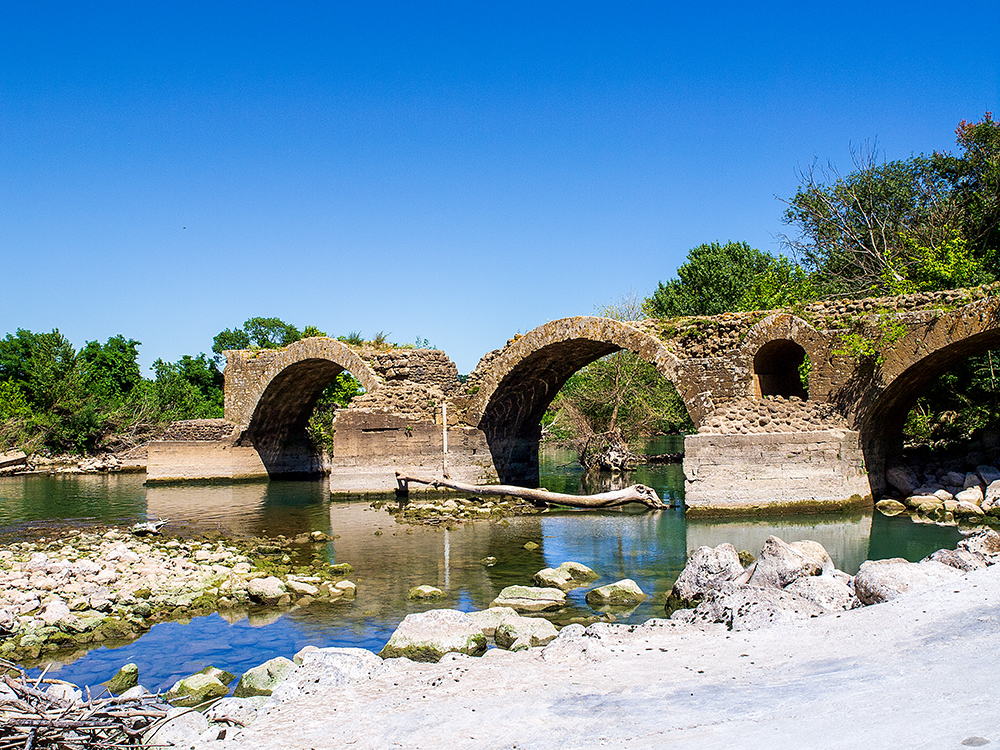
point(921, 671)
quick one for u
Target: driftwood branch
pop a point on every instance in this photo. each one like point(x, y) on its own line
point(637, 493)
point(31, 718)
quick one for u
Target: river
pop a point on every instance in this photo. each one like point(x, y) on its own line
point(389, 559)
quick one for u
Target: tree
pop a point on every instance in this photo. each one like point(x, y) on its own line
point(191, 388)
point(260, 333)
point(927, 222)
point(725, 278)
point(111, 371)
point(617, 400)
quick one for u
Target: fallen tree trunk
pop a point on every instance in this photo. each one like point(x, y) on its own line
point(637, 493)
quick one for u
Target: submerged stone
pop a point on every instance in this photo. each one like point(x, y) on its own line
point(425, 592)
point(127, 677)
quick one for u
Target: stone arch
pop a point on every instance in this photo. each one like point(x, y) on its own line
point(776, 370)
point(518, 384)
point(273, 392)
point(929, 349)
point(774, 348)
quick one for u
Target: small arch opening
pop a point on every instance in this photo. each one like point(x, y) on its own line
point(780, 368)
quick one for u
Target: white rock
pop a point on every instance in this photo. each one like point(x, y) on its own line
point(524, 632)
point(427, 636)
point(327, 668)
point(882, 580)
point(824, 591)
point(182, 727)
point(55, 611)
point(267, 590)
point(298, 587)
point(529, 598)
point(706, 569)
point(780, 563)
point(992, 495)
point(972, 495)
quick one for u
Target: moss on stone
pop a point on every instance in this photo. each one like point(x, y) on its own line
point(796, 507)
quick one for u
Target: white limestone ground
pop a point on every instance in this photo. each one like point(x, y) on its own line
point(921, 671)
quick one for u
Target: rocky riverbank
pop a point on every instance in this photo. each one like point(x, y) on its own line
point(944, 494)
point(132, 462)
point(747, 678)
point(107, 587)
point(333, 697)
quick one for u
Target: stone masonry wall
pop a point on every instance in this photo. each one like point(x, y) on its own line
point(820, 469)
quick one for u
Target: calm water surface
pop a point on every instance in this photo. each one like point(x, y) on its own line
point(649, 547)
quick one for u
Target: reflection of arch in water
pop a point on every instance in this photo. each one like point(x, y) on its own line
point(285, 388)
point(521, 382)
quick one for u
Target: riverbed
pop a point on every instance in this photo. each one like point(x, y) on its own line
point(389, 558)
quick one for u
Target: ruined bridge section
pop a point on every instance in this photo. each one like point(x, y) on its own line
point(764, 436)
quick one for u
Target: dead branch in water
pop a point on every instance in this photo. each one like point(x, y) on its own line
point(637, 493)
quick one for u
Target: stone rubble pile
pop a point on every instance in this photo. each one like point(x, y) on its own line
point(944, 496)
point(453, 509)
point(798, 581)
point(773, 414)
point(91, 587)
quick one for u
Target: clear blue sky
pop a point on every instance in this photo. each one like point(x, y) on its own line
point(455, 171)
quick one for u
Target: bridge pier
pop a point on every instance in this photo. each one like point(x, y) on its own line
point(815, 470)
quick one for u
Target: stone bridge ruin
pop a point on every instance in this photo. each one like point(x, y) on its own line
point(763, 437)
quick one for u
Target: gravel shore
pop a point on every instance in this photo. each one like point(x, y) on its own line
point(917, 672)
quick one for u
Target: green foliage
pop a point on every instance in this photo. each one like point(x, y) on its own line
point(959, 406)
point(13, 404)
point(948, 265)
point(354, 338)
point(191, 388)
point(805, 370)
point(311, 332)
point(870, 342)
point(729, 278)
point(260, 333)
point(337, 395)
point(923, 223)
point(618, 392)
point(111, 370)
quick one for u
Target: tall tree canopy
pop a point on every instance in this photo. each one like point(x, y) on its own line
point(923, 223)
point(718, 278)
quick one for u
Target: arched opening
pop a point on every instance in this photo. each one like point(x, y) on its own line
point(293, 419)
point(937, 419)
point(520, 384)
point(778, 370)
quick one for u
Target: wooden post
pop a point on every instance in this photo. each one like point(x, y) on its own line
point(444, 453)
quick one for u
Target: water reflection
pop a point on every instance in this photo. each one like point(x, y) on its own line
point(846, 538)
point(389, 559)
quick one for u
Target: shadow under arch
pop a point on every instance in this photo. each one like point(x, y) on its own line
point(881, 425)
point(776, 370)
point(519, 384)
point(289, 383)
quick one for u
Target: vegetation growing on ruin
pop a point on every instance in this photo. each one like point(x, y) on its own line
point(923, 224)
